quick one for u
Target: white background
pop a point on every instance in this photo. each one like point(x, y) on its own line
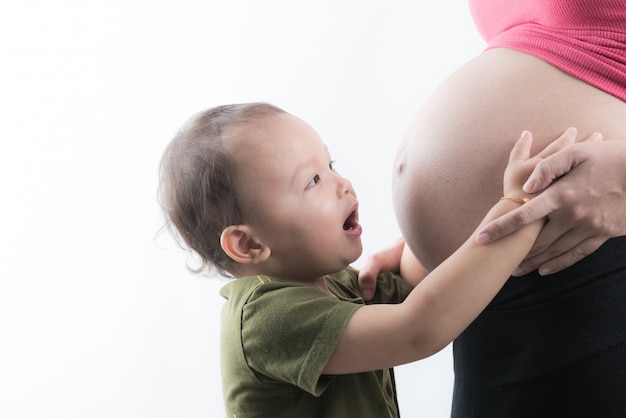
point(98, 315)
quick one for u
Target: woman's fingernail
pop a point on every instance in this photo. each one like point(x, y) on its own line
point(544, 271)
point(518, 272)
point(483, 238)
point(529, 186)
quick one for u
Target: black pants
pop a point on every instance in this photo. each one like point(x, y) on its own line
point(551, 346)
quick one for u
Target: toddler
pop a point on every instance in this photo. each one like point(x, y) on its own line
point(253, 191)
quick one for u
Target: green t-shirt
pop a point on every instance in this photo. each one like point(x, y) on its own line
point(276, 339)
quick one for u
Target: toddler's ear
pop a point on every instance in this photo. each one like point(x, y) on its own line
point(240, 243)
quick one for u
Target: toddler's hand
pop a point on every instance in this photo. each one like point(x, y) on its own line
point(387, 259)
point(521, 164)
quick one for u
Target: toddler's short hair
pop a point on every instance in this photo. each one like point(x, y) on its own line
point(196, 189)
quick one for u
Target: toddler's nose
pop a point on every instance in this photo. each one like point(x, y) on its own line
point(343, 186)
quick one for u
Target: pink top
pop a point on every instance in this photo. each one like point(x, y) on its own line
point(585, 38)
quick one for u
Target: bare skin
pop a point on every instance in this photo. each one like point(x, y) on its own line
point(448, 168)
point(601, 223)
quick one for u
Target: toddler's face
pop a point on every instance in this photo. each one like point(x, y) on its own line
point(301, 207)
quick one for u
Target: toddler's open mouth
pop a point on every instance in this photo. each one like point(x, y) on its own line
point(352, 222)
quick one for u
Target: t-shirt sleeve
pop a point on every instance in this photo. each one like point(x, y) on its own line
point(391, 288)
point(289, 333)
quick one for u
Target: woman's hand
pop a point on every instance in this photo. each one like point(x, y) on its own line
point(584, 208)
point(521, 163)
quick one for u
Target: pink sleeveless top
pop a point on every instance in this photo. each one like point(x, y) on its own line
point(584, 38)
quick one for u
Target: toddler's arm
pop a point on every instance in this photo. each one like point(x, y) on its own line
point(450, 297)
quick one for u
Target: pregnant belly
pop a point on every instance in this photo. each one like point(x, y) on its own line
point(449, 168)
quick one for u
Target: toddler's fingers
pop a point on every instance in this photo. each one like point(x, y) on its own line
point(567, 138)
point(521, 148)
point(367, 284)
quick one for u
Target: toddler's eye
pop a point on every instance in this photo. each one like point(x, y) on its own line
point(333, 165)
point(316, 179)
